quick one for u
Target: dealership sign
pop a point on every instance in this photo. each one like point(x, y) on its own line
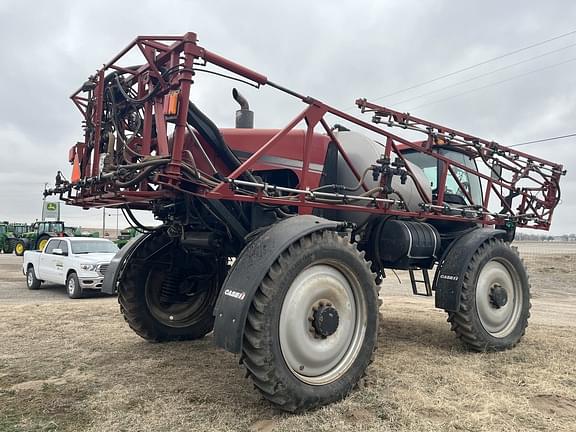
point(51, 210)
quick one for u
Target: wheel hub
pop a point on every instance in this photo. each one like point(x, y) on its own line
point(325, 320)
point(498, 296)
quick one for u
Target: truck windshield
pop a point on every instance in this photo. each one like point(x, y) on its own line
point(98, 246)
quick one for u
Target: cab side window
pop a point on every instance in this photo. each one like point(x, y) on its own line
point(64, 247)
point(52, 244)
point(458, 186)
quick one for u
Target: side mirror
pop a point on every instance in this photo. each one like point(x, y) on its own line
point(59, 252)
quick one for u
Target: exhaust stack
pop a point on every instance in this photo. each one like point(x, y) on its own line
point(244, 117)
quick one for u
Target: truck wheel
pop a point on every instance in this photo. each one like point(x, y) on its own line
point(495, 299)
point(164, 302)
point(31, 280)
point(73, 286)
point(19, 247)
point(312, 326)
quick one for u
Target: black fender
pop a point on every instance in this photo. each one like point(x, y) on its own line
point(450, 272)
point(116, 266)
point(249, 270)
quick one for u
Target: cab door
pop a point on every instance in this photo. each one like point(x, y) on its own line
point(60, 262)
point(47, 262)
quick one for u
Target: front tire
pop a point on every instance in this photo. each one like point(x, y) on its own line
point(495, 299)
point(312, 326)
point(31, 281)
point(19, 247)
point(73, 287)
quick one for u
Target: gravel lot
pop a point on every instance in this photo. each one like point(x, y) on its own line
point(74, 365)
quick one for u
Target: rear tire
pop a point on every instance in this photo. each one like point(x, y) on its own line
point(31, 281)
point(19, 247)
point(312, 327)
point(144, 285)
point(495, 299)
point(73, 286)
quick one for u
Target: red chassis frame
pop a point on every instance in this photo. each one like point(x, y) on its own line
point(528, 182)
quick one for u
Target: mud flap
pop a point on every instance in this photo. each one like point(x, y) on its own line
point(116, 266)
point(249, 270)
point(450, 273)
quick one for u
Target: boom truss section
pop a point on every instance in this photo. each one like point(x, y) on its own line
point(139, 122)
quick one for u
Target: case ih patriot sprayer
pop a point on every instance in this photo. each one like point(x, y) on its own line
point(310, 217)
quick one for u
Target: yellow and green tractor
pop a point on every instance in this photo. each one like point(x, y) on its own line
point(38, 236)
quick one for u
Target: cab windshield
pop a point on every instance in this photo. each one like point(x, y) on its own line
point(93, 246)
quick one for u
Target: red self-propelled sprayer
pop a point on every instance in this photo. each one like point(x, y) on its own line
point(277, 239)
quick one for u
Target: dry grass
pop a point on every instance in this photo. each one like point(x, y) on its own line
point(76, 366)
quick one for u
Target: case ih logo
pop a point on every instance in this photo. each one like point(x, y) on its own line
point(449, 277)
point(236, 294)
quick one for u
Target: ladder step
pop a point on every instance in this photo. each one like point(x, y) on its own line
point(426, 281)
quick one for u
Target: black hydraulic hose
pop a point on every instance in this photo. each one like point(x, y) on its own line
point(208, 130)
point(137, 223)
point(138, 178)
point(133, 101)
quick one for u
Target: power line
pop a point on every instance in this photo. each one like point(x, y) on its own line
point(482, 75)
point(475, 65)
point(544, 140)
point(493, 84)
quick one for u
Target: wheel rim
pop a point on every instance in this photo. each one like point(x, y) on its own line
point(499, 297)
point(19, 248)
point(71, 285)
point(174, 314)
point(42, 244)
point(30, 278)
point(313, 358)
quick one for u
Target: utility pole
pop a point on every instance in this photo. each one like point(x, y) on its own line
point(103, 222)
point(44, 201)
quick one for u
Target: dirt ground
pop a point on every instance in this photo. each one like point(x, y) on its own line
point(76, 366)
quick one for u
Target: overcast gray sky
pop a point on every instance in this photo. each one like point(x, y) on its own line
point(334, 51)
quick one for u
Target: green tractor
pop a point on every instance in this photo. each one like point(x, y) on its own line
point(6, 239)
point(38, 236)
point(125, 236)
point(77, 232)
point(18, 229)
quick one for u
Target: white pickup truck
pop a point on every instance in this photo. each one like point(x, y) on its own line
point(79, 263)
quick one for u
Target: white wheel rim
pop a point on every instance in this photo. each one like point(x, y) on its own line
point(499, 321)
point(30, 278)
point(316, 360)
point(71, 286)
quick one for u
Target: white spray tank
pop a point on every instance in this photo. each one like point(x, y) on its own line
point(364, 152)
